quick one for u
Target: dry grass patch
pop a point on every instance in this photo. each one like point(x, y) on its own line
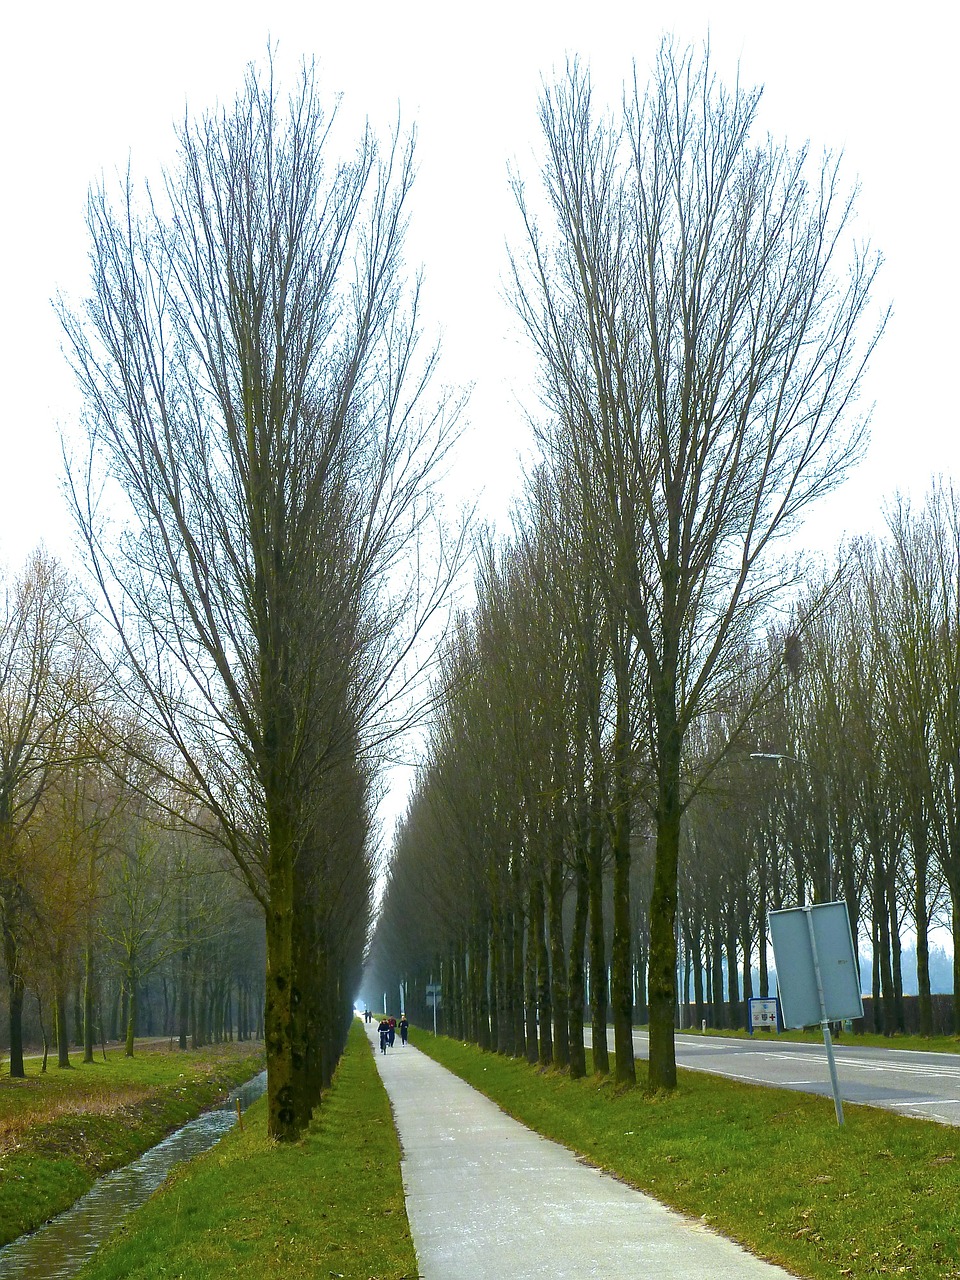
point(27, 1105)
point(43, 1109)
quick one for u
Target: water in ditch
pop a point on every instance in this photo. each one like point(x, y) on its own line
point(60, 1248)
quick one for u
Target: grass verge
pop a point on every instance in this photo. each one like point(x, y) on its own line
point(844, 1040)
point(766, 1167)
point(61, 1129)
point(330, 1205)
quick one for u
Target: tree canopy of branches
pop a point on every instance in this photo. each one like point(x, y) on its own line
point(697, 309)
point(261, 448)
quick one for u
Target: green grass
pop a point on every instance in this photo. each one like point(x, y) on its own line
point(60, 1130)
point(330, 1205)
point(767, 1167)
point(869, 1039)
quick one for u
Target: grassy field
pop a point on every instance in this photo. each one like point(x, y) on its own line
point(330, 1205)
point(769, 1168)
point(61, 1129)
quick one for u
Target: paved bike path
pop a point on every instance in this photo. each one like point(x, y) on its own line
point(488, 1198)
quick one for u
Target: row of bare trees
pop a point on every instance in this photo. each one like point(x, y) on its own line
point(100, 887)
point(840, 782)
point(701, 316)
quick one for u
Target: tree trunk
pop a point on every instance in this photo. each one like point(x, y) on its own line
point(718, 1007)
point(89, 1002)
point(558, 965)
point(284, 1124)
point(924, 998)
point(60, 1015)
point(883, 941)
point(131, 1017)
point(516, 961)
point(622, 952)
point(598, 951)
point(544, 1002)
point(481, 972)
point(495, 990)
point(503, 941)
point(530, 986)
point(15, 996)
point(746, 939)
point(184, 999)
point(578, 942)
point(733, 981)
point(663, 914)
point(43, 1037)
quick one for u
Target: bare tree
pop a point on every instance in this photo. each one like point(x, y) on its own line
point(941, 521)
point(696, 309)
point(260, 433)
point(38, 670)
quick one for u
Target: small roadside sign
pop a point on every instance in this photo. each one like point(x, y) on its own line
point(764, 1014)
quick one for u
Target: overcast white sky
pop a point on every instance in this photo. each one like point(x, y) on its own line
point(84, 88)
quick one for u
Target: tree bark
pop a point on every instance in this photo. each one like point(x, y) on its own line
point(131, 1016)
point(89, 1001)
point(662, 1069)
point(558, 965)
point(15, 993)
point(544, 992)
point(578, 942)
point(622, 952)
point(598, 950)
point(60, 1014)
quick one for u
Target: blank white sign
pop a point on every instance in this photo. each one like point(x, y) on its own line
point(793, 949)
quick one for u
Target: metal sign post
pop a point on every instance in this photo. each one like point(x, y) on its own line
point(433, 998)
point(825, 1021)
point(817, 972)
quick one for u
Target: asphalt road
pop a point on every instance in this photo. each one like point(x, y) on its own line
point(925, 1085)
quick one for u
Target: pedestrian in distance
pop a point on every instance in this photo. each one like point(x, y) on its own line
point(404, 1028)
point(393, 1030)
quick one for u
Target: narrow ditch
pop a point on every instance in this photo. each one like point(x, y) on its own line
point(60, 1247)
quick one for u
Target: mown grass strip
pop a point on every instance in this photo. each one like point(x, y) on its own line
point(331, 1205)
point(843, 1039)
point(767, 1167)
point(60, 1130)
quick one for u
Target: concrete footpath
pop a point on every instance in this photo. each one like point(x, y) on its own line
point(487, 1197)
